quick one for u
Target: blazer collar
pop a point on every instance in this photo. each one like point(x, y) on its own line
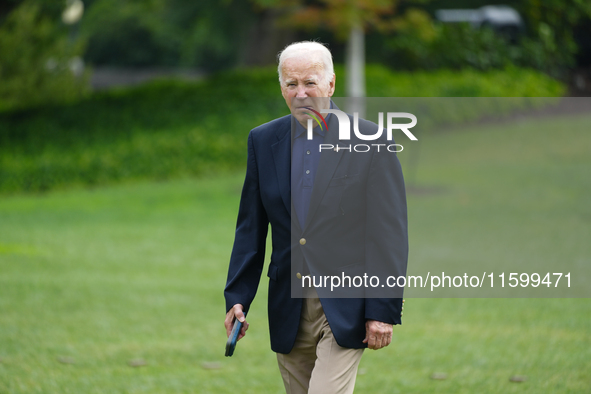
point(282, 157)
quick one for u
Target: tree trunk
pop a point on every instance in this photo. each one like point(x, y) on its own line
point(264, 40)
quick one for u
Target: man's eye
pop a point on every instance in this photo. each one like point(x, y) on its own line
point(311, 83)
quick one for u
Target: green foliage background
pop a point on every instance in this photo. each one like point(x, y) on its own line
point(35, 54)
point(172, 33)
point(167, 129)
point(548, 45)
point(213, 35)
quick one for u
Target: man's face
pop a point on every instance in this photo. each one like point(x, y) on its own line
point(304, 86)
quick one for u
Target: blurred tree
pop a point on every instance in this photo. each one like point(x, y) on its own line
point(6, 7)
point(266, 37)
point(581, 34)
point(348, 20)
point(50, 8)
point(137, 33)
point(553, 23)
point(421, 43)
point(126, 33)
point(38, 64)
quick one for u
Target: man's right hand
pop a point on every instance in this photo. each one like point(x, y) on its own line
point(236, 312)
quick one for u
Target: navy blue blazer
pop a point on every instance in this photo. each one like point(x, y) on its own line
point(353, 198)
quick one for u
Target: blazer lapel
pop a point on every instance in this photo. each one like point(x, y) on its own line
point(329, 161)
point(282, 157)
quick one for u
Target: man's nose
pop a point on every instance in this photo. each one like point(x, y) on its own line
point(301, 91)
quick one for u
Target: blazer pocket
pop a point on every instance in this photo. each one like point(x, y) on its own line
point(272, 272)
point(357, 269)
point(342, 180)
point(337, 188)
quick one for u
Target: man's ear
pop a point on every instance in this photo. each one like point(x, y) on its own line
point(331, 85)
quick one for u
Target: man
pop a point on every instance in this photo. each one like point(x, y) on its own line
point(329, 211)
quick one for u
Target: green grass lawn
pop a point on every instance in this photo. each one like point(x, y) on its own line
point(93, 280)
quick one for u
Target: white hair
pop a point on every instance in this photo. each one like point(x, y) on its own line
point(307, 48)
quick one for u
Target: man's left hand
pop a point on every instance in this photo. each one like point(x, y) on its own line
point(377, 334)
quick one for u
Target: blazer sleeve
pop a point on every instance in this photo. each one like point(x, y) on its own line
point(248, 252)
point(387, 233)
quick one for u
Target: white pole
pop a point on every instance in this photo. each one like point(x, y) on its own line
point(355, 70)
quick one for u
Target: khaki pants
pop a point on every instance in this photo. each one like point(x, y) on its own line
point(317, 364)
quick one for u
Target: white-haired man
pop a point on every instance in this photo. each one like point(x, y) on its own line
point(308, 196)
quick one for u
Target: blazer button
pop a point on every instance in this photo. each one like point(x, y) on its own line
point(303, 241)
point(299, 275)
